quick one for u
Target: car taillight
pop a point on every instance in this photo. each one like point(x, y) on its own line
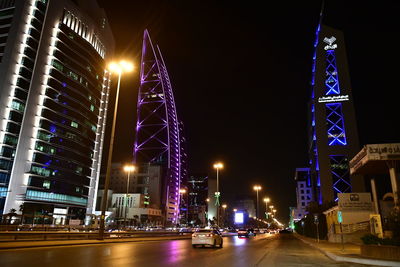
point(194, 235)
point(209, 235)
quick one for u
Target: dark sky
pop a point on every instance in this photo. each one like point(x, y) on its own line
point(241, 74)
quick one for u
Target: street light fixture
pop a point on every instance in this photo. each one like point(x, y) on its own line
point(266, 200)
point(128, 169)
point(271, 208)
point(257, 188)
point(119, 68)
point(181, 192)
point(217, 166)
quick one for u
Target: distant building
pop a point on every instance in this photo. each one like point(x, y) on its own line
point(54, 90)
point(333, 138)
point(198, 194)
point(304, 193)
point(137, 210)
point(145, 181)
point(246, 204)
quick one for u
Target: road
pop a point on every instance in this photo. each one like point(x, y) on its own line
point(263, 250)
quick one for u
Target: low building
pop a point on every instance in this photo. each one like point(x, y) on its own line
point(134, 209)
point(304, 192)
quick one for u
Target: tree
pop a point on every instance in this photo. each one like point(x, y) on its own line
point(11, 214)
point(21, 209)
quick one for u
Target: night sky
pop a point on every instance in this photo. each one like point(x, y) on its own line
point(241, 75)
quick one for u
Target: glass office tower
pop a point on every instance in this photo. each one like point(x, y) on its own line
point(53, 100)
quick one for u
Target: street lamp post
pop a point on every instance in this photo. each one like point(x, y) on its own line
point(128, 169)
point(257, 188)
point(181, 192)
point(266, 200)
point(223, 221)
point(120, 67)
point(217, 166)
point(271, 207)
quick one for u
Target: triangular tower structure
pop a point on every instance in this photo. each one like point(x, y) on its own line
point(158, 139)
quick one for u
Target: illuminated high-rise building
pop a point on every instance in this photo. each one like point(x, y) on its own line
point(53, 100)
point(333, 138)
point(159, 133)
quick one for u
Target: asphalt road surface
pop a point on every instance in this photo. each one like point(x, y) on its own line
point(263, 250)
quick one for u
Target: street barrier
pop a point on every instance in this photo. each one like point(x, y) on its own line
point(64, 235)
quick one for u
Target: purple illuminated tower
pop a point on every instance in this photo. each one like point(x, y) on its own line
point(158, 137)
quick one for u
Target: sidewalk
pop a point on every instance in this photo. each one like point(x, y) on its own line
point(351, 252)
point(52, 243)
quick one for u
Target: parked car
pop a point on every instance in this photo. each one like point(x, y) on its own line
point(203, 237)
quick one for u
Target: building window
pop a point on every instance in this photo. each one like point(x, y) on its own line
point(301, 185)
point(74, 124)
point(303, 204)
point(46, 184)
point(302, 191)
point(302, 198)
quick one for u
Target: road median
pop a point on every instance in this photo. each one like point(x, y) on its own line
point(52, 243)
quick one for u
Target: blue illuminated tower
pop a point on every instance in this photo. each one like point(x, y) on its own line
point(159, 139)
point(333, 138)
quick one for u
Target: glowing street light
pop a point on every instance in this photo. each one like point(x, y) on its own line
point(128, 169)
point(120, 67)
point(266, 200)
point(218, 166)
point(257, 188)
point(182, 191)
point(234, 210)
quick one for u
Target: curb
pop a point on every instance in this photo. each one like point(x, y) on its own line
point(335, 257)
point(88, 243)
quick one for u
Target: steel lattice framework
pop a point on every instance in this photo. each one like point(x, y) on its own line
point(340, 174)
point(332, 81)
point(157, 129)
point(335, 124)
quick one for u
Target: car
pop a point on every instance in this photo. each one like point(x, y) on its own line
point(272, 232)
point(203, 237)
point(243, 233)
point(251, 232)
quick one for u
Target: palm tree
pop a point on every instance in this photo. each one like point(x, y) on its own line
point(11, 214)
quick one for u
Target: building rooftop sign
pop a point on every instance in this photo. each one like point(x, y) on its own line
point(371, 159)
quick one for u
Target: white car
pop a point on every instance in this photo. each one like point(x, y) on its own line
point(205, 237)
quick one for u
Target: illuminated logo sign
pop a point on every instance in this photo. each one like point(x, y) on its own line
point(239, 217)
point(335, 98)
point(330, 42)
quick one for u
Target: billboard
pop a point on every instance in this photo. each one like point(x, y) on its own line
point(239, 217)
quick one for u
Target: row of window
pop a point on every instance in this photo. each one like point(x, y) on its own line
point(57, 186)
point(59, 174)
point(53, 197)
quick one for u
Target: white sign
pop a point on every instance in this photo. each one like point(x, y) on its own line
point(383, 151)
point(239, 218)
point(336, 98)
point(330, 41)
point(355, 202)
